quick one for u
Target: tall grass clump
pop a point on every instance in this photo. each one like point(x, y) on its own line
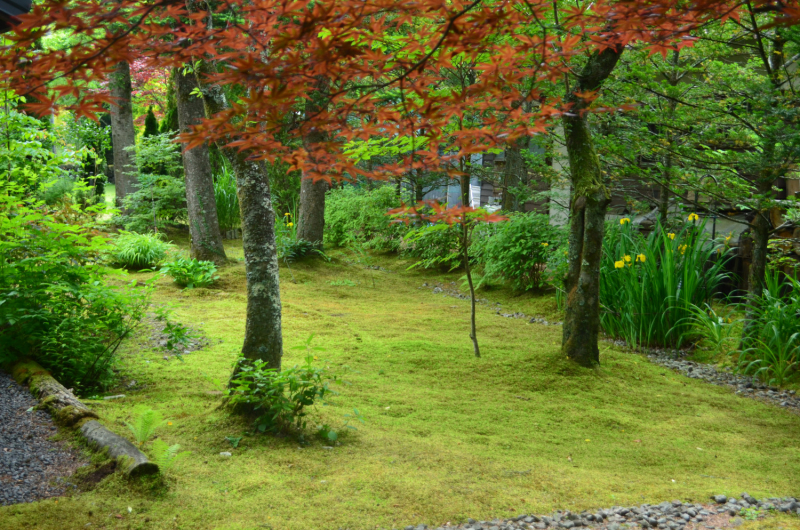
point(138, 251)
point(771, 351)
point(227, 200)
point(650, 286)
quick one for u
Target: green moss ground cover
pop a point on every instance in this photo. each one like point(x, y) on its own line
point(447, 436)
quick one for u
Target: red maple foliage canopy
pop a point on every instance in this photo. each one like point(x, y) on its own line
point(385, 65)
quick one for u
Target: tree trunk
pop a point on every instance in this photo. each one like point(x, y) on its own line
point(511, 176)
point(123, 133)
point(263, 336)
point(756, 278)
point(201, 204)
point(590, 199)
point(311, 219)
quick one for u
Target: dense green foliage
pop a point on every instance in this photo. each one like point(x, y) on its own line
point(138, 251)
point(649, 286)
point(518, 250)
point(226, 199)
point(160, 198)
point(191, 273)
point(358, 214)
point(772, 350)
point(55, 305)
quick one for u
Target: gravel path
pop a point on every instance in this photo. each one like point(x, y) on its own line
point(744, 386)
point(720, 514)
point(31, 465)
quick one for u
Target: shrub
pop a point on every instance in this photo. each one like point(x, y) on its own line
point(160, 196)
point(279, 398)
point(436, 245)
point(355, 213)
point(650, 286)
point(518, 249)
point(227, 200)
point(138, 251)
point(54, 304)
point(772, 347)
point(191, 273)
point(158, 202)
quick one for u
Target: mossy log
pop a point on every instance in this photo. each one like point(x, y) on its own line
point(130, 459)
point(59, 401)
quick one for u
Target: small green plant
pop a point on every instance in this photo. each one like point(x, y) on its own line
point(191, 273)
point(166, 456)
point(750, 514)
point(342, 283)
point(233, 440)
point(145, 425)
point(178, 334)
point(279, 399)
point(138, 251)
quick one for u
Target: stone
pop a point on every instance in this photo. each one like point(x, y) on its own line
point(720, 499)
point(225, 454)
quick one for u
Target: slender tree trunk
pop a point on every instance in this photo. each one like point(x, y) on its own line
point(201, 204)
point(311, 219)
point(123, 133)
point(419, 194)
point(590, 199)
point(512, 173)
point(756, 278)
point(263, 336)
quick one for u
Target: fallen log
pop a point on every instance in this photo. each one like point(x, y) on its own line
point(68, 411)
point(53, 397)
point(132, 461)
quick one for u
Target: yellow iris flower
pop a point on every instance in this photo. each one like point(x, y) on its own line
point(693, 217)
point(626, 258)
point(641, 257)
point(624, 220)
point(291, 224)
point(619, 264)
point(671, 235)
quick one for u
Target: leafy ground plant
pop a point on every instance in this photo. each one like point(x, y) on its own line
point(191, 273)
point(144, 426)
point(166, 456)
point(772, 351)
point(138, 251)
point(279, 399)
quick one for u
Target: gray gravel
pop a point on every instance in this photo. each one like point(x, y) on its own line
point(721, 512)
point(744, 386)
point(32, 466)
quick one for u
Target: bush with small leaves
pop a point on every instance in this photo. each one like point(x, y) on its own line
point(191, 273)
point(279, 399)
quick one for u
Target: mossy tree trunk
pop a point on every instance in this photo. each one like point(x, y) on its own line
point(311, 218)
point(123, 133)
point(263, 337)
point(588, 205)
point(200, 201)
